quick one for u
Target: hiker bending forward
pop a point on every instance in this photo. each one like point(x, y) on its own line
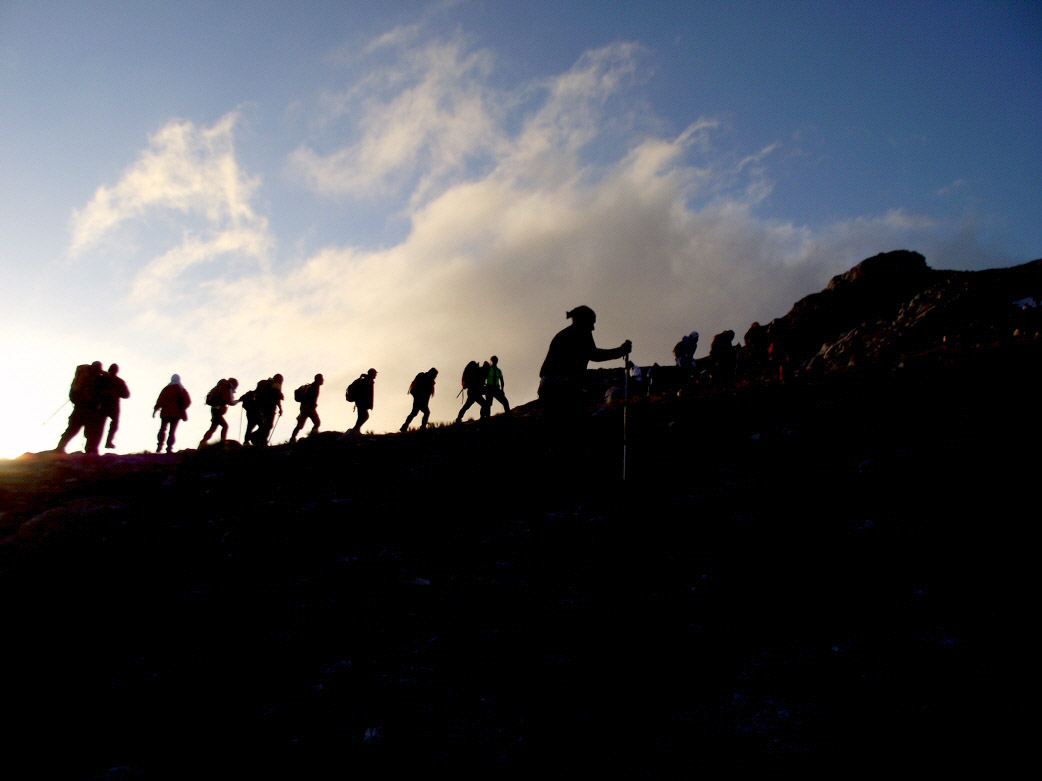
point(421, 390)
point(361, 392)
point(219, 399)
point(308, 397)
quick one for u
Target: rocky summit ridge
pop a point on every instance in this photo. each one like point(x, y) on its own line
point(825, 573)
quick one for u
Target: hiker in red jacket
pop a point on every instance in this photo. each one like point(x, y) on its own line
point(172, 406)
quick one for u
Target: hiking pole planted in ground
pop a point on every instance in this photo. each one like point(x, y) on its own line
point(240, 424)
point(625, 403)
point(273, 425)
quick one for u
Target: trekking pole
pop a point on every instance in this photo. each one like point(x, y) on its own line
point(625, 404)
point(273, 425)
point(240, 423)
point(55, 413)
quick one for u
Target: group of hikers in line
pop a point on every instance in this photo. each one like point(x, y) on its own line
point(95, 394)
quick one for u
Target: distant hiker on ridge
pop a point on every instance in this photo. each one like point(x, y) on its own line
point(494, 385)
point(220, 397)
point(473, 382)
point(571, 350)
point(361, 392)
point(112, 390)
point(307, 395)
point(268, 395)
point(87, 414)
point(172, 406)
point(684, 350)
point(421, 389)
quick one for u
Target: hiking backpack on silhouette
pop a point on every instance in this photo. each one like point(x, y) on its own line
point(355, 389)
point(81, 391)
point(215, 398)
point(301, 393)
point(471, 375)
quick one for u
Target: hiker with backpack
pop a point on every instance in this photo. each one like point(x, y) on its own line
point(361, 393)
point(561, 375)
point(268, 397)
point(494, 385)
point(307, 395)
point(112, 389)
point(220, 397)
point(87, 414)
point(421, 389)
point(172, 406)
point(473, 382)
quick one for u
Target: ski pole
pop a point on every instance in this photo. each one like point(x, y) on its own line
point(55, 413)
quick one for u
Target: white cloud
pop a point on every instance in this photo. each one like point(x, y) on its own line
point(187, 176)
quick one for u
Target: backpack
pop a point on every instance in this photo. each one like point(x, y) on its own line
point(301, 393)
point(82, 389)
point(356, 389)
point(471, 375)
point(249, 400)
point(215, 398)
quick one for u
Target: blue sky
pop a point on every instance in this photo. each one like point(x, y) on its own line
point(244, 188)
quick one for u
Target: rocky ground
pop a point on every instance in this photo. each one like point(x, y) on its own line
point(827, 575)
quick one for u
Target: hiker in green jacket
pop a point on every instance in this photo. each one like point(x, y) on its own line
point(494, 385)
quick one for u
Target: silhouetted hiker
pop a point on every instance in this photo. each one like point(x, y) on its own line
point(172, 406)
point(684, 350)
point(571, 350)
point(494, 385)
point(754, 351)
point(307, 395)
point(722, 357)
point(87, 413)
point(112, 390)
point(473, 382)
point(361, 393)
point(220, 397)
point(252, 409)
point(268, 395)
point(421, 389)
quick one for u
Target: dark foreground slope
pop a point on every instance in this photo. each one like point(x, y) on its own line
point(825, 575)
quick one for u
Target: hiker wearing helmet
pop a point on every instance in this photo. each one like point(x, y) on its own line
point(172, 406)
point(307, 395)
point(421, 389)
point(220, 397)
point(571, 350)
